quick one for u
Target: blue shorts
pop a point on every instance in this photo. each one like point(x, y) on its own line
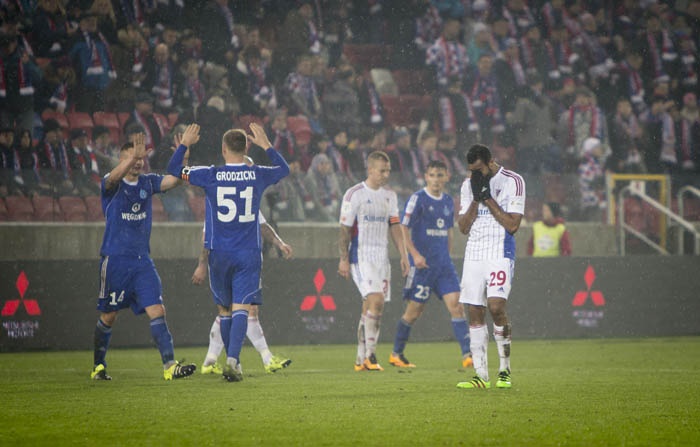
point(420, 283)
point(234, 277)
point(128, 281)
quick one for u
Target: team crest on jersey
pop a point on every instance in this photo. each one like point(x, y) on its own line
point(142, 193)
point(136, 207)
point(440, 223)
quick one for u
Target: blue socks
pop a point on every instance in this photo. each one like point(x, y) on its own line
point(225, 329)
point(164, 341)
point(103, 334)
point(403, 330)
point(461, 331)
point(239, 326)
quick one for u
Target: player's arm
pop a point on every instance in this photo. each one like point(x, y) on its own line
point(269, 234)
point(344, 251)
point(418, 259)
point(176, 163)
point(125, 164)
point(260, 138)
point(200, 272)
point(397, 237)
point(466, 220)
point(509, 221)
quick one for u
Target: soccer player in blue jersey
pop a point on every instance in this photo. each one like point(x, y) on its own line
point(128, 277)
point(427, 226)
point(233, 192)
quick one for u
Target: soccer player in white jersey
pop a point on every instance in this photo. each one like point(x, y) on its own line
point(492, 206)
point(368, 213)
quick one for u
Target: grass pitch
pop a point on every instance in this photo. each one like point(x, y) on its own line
point(573, 392)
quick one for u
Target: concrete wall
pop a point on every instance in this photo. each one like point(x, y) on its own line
point(63, 241)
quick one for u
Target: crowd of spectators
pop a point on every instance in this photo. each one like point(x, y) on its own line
point(564, 88)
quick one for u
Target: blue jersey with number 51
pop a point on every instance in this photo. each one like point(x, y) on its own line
point(233, 194)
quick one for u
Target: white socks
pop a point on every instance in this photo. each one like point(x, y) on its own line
point(479, 341)
point(371, 332)
point(502, 336)
point(360, 341)
point(257, 338)
point(216, 343)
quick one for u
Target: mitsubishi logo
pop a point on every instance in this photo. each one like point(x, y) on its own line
point(582, 295)
point(30, 305)
point(327, 301)
point(318, 318)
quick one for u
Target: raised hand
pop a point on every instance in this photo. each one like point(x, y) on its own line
point(190, 136)
point(139, 145)
point(259, 137)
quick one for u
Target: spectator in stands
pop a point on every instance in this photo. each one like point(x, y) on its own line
point(689, 64)
point(626, 81)
point(534, 124)
point(53, 159)
point(550, 238)
point(321, 144)
point(51, 29)
point(19, 77)
point(142, 115)
point(217, 30)
point(551, 17)
point(134, 54)
point(581, 121)
point(481, 42)
point(537, 56)
point(162, 79)
point(659, 48)
point(500, 32)
point(482, 89)
point(591, 180)
point(190, 47)
point(597, 49)
point(406, 165)
point(294, 201)
point(213, 113)
point(510, 75)
point(192, 94)
point(687, 163)
point(569, 63)
point(456, 168)
point(252, 85)
point(626, 139)
point(92, 59)
point(106, 150)
point(57, 89)
point(338, 149)
point(302, 94)
point(660, 148)
point(341, 102)
point(519, 17)
point(427, 147)
point(455, 115)
point(106, 19)
point(447, 56)
point(30, 180)
point(428, 28)
point(322, 183)
point(371, 110)
point(298, 36)
point(9, 163)
point(283, 139)
point(85, 168)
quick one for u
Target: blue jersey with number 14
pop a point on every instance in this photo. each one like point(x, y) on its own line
point(234, 192)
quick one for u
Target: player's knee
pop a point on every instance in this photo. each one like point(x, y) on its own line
point(108, 318)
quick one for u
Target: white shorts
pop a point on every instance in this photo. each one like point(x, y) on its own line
point(372, 278)
point(486, 279)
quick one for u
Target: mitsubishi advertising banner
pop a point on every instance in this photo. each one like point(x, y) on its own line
point(51, 304)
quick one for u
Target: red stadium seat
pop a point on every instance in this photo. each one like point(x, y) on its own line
point(243, 121)
point(4, 214)
point(123, 118)
point(396, 113)
point(80, 120)
point(46, 209)
point(106, 119)
point(94, 208)
point(159, 213)
point(73, 209)
point(198, 206)
point(19, 208)
point(299, 126)
point(367, 56)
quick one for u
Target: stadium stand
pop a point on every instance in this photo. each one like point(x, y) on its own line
point(46, 209)
point(19, 208)
point(73, 209)
point(299, 126)
point(94, 208)
point(159, 213)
